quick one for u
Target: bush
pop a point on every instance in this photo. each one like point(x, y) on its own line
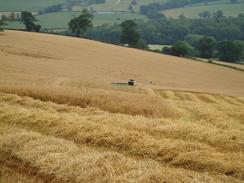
point(181, 48)
point(230, 51)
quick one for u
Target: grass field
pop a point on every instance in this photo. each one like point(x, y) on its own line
point(157, 46)
point(61, 120)
point(192, 12)
point(122, 6)
point(27, 5)
point(60, 20)
point(35, 5)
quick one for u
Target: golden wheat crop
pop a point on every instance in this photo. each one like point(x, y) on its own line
point(54, 142)
point(42, 59)
point(61, 121)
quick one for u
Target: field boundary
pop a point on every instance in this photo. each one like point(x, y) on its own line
point(215, 63)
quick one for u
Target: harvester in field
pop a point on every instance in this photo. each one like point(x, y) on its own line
point(132, 82)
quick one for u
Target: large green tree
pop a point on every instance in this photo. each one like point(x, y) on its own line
point(181, 48)
point(230, 51)
point(78, 25)
point(129, 34)
point(193, 39)
point(206, 47)
point(29, 20)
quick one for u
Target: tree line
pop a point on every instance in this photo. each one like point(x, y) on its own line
point(164, 31)
point(207, 47)
point(212, 38)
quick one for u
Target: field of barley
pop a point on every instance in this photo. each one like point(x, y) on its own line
point(61, 119)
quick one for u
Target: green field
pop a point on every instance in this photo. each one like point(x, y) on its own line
point(29, 5)
point(157, 46)
point(60, 20)
point(36, 5)
point(122, 6)
point(192, 12)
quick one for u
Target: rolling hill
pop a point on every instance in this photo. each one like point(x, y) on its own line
point(110, 12)
point(95, 62)
point(61, 119)
point(229, 9)
point(27, 5)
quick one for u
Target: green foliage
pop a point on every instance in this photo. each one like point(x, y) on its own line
point(78, 25)
point(2, 24)
point(29, 21)
point(230, 51)
point(205, 14)
point(218, 15)
point(181, 48)
point(129, 35)
point(193, 39)
point(206, 47)
point(51, 9)
point(105, 33)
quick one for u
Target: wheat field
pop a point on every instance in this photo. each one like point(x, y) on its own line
point(42, 59)
point(62, 121)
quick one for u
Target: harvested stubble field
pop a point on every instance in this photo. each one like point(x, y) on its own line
point(61, 122)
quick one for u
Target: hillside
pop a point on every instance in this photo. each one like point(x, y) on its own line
point(111, 12)
point(229, 9)
point(27, 5)
point(62, 121)
point(57, 60)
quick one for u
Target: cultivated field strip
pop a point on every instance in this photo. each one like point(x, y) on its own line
point(53, 60)
point(187, 143)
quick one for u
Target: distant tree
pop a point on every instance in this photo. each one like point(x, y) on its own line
point(2, 24)
point(12, 17)
point(129, 34)
point(130, 8)
point(193, 39)
point(182, 16)
point(241, 45)
point(29, 20)
point(181, 48)
point(134, 2)
point(234, 1)
point(206, 47)
point(205, 14)
point(230, 51)
point(53, 8)
point(4, 18)
point(218, 14)
point(241, 15)
point(78, 25)
point(167, 50)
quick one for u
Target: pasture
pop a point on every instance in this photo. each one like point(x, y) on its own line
point(27, 5)
point(61, 120)
point(60, 20)
point(193, 11)
point(121, 6)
